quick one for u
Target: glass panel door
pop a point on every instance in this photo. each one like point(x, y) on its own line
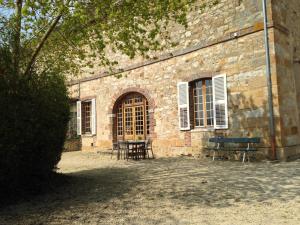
point(129, 123)
point(132, 118)
point(139, 123)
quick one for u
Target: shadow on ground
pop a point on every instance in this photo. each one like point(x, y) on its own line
point(221, 184)
point(77, 190)
point(152, 190)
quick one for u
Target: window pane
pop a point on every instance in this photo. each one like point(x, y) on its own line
point(72, 126)
point(120, 121)
point(129, 121)
point(86, 117)
point(147, 118)
point(198, 104)
point(203, 103)
point(139, 120)
point(209, 103)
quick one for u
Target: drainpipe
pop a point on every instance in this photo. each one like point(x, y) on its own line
point(269, 82)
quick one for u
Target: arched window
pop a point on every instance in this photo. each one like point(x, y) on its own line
point(132, 118)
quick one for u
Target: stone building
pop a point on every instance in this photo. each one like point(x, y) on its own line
point(212, 83)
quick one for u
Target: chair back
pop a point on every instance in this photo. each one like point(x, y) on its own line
point(148, 143)
point(115, 145)
point(123, 144)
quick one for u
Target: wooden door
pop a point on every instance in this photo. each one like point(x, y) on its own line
point(129, 123)
point(132, 118)
point(139, 121)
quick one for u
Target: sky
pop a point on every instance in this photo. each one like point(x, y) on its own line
point(4, 12)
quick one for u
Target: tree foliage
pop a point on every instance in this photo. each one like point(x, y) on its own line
point(33, 121)
point(84, 29)
point(41, 40)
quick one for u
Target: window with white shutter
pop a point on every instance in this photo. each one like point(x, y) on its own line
point(78, 106)
point(93, 116)
point(86, 117)
point(183, 105)
point(220, 102)
point(202, 96)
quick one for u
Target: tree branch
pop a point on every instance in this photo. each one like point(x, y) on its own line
point(17, 36)
point(44, 39)
point(41, 44)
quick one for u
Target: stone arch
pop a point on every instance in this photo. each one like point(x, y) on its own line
point(198, 76)
point(119, 96)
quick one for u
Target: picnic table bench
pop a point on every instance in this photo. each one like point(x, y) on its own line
point(244, 146)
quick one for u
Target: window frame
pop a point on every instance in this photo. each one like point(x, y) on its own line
point(132, 100)
point(83, 117)
point(72, 131)
point(204, 102)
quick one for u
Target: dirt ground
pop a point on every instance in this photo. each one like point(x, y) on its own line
point(173, 191)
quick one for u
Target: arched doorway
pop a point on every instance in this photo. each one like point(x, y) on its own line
point(132, 117)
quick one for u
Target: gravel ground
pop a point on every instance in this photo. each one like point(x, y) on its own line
point(173, 191)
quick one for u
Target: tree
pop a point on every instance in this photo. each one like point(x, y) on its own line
point(33, 122)
point(61, 34)
point(42, 39)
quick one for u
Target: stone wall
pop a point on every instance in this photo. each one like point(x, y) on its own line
point(72, 145)
point(205, 26)
point(286, 14)
point(226, 39)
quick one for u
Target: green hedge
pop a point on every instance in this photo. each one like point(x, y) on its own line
point(34, 112)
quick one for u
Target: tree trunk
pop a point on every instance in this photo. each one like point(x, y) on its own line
point(17, 36)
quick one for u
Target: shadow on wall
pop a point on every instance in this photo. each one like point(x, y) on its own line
point(248, 117)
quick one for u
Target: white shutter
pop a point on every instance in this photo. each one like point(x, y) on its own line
point(220, 102)
point(183, 105)
point(78, 117)
point(93, 117)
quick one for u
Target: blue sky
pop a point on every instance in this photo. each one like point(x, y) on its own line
point(5, 12)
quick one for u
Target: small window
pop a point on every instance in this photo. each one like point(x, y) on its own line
point(86, 117)
point(203, 103)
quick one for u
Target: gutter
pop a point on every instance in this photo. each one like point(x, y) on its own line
point(269, 82)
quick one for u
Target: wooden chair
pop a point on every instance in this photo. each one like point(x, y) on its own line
point(123, 149)
point(148, 147)
point(141, 150)
point(131, 150)
point(115, 147)
point(136, 150)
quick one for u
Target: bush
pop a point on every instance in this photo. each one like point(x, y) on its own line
point(33, 122)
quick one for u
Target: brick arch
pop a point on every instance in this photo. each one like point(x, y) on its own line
point(129, 90)
point(119, 96)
